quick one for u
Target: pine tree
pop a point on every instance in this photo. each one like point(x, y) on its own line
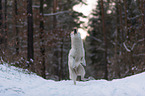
point(47, 27)
point(124, 39)
point(16, 28)
point(60, 30)
point(100, 43)
point(5, 23)
point(42, 46)
point(1, 39)
point(30, 54)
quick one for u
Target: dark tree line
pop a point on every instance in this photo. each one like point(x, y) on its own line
point(1, 21)
point(34, 34)
point(30, 54)
point(105, 39)
point(116, 42)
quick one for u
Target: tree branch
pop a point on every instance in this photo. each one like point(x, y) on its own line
point(61, 12)
point(131, 49)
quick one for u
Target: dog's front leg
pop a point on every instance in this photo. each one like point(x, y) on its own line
point(83, 62)
point(72, 61)
point(74, 77)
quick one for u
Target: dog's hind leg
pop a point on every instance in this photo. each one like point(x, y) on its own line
point(71, 62)
point(81, 71)
point(74, 76)
point(74, 82)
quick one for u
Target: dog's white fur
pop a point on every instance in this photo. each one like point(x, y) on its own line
point(76, 57)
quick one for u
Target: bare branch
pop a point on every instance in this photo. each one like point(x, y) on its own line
point(61, 12)
point(138, 54)
point(95, 39)
point(36, 6)
point(128, 50)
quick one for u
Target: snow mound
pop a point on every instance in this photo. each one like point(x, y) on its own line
point(16, 82)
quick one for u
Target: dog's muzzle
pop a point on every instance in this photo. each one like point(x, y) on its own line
point(75, 31)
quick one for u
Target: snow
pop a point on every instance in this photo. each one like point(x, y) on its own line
point(17, 82)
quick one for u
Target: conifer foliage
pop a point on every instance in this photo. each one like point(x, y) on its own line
point(34, 34)
point(116, 41)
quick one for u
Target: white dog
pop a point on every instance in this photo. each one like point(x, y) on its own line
point(76, 57)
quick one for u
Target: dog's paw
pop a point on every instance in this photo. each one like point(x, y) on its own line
point(84, 79)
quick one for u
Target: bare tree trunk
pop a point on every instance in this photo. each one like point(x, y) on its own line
point(61, 65)
point(16, 28)
point(5, 14)
point(105, 40)
point(42, 46)
point(143, 22)
point(121, 25)
point(116, 40)
point(1, 27)
point(126, 27)
point(3, 30)
point(144, 18)
point(58, 71)
point(126, 37)
point(54, 11)
point(5, 23)
point(30, 54)
point(0, 12)
point(144, 28)
point(142, 9)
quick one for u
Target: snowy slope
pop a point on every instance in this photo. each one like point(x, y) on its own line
point(14, 82)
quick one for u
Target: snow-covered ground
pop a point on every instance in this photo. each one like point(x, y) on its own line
point(16, 82)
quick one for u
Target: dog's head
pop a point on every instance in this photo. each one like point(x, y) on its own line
point(75, 34)
point(75, 31)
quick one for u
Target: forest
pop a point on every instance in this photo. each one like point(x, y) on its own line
point(35, 35)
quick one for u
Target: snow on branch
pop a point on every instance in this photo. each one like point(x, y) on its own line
point(129, 50)
point(141, 40)
point(96, 39)
point(36, 6)
point(61, 12)
point(137, 16)
point(138, 54)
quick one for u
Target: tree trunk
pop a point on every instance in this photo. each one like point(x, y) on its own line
point(42, 45)
point(54, 11)
point(116, 41)
point(121, 25)
point(61, 65)
point(5, 11)
point(1, 28)
point(126, 27)
point(30, 54)
point(16, 28)
point(144, 24)
point(105, 40)
point(144, 19)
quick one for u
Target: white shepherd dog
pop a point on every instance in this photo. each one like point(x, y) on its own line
point(76, 57)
